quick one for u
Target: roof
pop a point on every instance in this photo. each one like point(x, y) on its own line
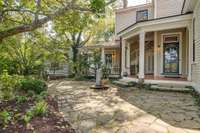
point(110, 44)
point(188, 6)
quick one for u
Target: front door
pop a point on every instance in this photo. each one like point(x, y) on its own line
point(171, 58)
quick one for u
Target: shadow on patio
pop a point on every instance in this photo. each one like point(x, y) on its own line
point(176, 109)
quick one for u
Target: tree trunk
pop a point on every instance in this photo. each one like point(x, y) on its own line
point(75, 58)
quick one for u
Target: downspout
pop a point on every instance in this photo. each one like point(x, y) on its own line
point(120, 57)
point(183, 6)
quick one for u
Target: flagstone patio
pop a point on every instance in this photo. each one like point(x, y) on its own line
point(122, 110)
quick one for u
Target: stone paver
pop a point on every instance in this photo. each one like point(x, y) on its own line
point(119, 110)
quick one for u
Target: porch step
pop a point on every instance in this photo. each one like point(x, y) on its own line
point(171, 88)
point(121, 83)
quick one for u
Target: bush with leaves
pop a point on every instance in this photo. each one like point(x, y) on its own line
point(21, 99)
point(39, 109)
point(34, 85)
point(9, 85)
point(5, 117)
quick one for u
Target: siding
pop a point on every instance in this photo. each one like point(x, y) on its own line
point(168, 7)
point(127, 17)
point(196, 67)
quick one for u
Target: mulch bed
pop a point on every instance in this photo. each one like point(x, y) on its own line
point(52, 122)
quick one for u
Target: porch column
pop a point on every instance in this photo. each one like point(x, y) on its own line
point(190, 52)
point(141, 55)
point(103, 56)
point(123, 68)
point(155, 54)
point(128, 58)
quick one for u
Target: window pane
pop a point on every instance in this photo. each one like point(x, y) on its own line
point(142, 15)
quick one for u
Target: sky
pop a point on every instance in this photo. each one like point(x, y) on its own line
point(136, 2)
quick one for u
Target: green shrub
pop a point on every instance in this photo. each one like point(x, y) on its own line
point(21, 99)
point(28, 116)
point(8, 85)
point(35, 85)
point(42, 95)
point(5, 117)
point(40, 108)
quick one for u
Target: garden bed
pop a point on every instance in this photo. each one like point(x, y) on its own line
point(51, 122)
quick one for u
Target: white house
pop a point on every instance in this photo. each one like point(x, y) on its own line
point(159, 40)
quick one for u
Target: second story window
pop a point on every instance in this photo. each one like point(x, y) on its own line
point(142, 15)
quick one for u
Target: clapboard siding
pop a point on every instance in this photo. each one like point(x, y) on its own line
point(196, 66)
point(168, 7)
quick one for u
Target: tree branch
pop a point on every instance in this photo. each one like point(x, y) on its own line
point(40, 22)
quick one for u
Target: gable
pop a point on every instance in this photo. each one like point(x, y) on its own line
point(165, 8)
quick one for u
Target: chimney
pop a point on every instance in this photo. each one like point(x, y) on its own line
point(125, 3)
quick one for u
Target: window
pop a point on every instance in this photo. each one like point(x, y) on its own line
point(171, 38)
point(142, 15)
point(108, 60)
point(56, 66)
point(194, 47)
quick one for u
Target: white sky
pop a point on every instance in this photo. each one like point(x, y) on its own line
point(136, 2)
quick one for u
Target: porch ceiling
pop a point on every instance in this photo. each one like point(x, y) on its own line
point(173, 22)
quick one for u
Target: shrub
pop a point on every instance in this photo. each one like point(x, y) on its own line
point(28, 116)
point(40, 108)
point(5, 117)
point(8, 85)
point(35, 85)
point(21, 99)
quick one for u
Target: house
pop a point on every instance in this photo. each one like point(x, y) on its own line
point(159, 40)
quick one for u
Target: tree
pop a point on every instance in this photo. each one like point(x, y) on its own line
point(75, 27)
point(55, 52)
point(26, 52)
point(22, 16)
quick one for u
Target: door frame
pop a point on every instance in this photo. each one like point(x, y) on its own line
point(164, 46)
point(179, 35)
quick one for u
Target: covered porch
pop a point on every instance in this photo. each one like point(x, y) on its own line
point(158, 49)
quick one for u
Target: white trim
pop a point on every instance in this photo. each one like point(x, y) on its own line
point(103, 55)
point(159, 24)
point(179, 34)
point(155, 54)
point(123, 58)
point(141, 54)
point(155, 8)
point(128, 59)
point(190, 29)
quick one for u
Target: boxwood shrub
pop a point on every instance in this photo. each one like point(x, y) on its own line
point(34, 85)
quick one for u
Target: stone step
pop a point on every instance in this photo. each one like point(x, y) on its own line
point(171, 85)
point(171, 89)
point(121, 83)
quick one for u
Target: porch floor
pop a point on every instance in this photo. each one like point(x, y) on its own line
point(151, 77)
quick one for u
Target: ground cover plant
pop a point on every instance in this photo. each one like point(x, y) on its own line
point(25, 107)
